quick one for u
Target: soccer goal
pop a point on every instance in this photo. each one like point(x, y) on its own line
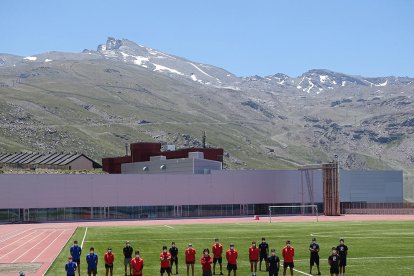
point(293, 210)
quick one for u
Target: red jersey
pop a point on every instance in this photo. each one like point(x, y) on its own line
point(165, 259)
point(254, 253)
point(137, 265)
point(206, 263)
point(217, 250)
point(288, 253)
point(190, 255)
point(231, 256)
point(109, 258)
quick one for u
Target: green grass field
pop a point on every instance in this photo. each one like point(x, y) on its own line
point(375, 248)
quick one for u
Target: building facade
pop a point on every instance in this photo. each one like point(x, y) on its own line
point(220, 193)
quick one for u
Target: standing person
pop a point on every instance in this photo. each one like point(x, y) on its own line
point(314, 255)
point(253, 257)
point(334, 262)
point(127, 256)
point(137, 265)
point(70, 267)
point(288, 252)
point(231, 256)
point(273, 263)
point(75, 252)
point(174, 257)
point(165, 258)
point(206, 262)
point(342, 249)
point(190, 253)
point(92, 261)
point(217, 256)
point(264, 252)
point(109, 262)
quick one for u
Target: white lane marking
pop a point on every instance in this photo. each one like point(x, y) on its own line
point(84, 236)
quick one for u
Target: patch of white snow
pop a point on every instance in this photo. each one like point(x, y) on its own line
point(48, 60)
point(383, 84)
point(30, 58)
point(323, 78)
point(161, 68)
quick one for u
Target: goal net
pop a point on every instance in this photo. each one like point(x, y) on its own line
point(293, 210)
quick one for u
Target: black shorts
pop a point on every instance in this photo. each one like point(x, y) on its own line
point(92, 271)
point(231, 267)
point(314, 260)
point(263, 257)
point(273, 272)
point(219, 260)
point(174, 260)
point(77, 262)
point(334, 270)
point(342, 261)
point(109, 265)
point(291, 265)
point(165, 269)
point(207, 273)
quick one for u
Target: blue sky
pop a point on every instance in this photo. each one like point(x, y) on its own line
point(361, 37)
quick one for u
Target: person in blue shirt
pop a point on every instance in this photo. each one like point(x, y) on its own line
point(75, 252)
point(70, 267)
point(92, 260)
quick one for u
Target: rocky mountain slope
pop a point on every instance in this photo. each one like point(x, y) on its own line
point(98, 100)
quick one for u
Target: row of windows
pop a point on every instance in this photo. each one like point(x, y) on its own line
point(139, 212)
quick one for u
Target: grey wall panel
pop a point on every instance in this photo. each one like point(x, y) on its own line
point(219, 187)
point(371, 186)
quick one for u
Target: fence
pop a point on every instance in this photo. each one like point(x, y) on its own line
point(377, 208)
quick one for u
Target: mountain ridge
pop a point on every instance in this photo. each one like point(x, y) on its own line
point(95, 102)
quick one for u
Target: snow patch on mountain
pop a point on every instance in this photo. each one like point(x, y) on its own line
point(48, 60)
point(161, 68)
point(30, 58)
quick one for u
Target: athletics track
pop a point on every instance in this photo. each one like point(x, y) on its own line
point(33, 247)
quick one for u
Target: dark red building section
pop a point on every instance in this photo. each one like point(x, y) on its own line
point(141, 152)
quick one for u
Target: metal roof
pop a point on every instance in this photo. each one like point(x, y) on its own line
point(60, 159)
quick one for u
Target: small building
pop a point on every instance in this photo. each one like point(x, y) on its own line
point(194, 164)
point(142, 152)
point(63, 161)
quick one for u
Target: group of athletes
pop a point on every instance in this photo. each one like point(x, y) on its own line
point(169, 257)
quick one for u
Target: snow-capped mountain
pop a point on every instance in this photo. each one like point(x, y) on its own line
point(312, 82)
point(157, 61)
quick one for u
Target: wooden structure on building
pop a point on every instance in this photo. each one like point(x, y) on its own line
point(330, 178)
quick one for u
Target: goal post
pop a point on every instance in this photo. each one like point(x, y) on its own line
point(310, 209)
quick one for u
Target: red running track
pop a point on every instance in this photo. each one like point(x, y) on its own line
point(41, 243)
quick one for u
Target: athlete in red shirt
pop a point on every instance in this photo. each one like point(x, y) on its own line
point(253, 257)
point(217, 256)
point(165, 258)
point(137, 265)
point(288, 252)
point(190, 259)
point(109, 262)
point(231, 256)
point(206, 261)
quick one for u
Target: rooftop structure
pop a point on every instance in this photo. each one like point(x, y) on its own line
point(26, 160)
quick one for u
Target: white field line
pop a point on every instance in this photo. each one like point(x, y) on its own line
point(25, 252)
point(84, 236)
point(21, 245)
point(366, 258)
point(20, 232)
point(168, 226)
point(301, 272)
point(47, 247)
